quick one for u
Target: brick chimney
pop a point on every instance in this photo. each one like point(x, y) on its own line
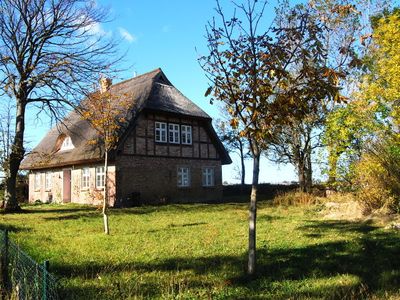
point(105, 84)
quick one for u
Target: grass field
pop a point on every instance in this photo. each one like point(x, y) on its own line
point(199, 252)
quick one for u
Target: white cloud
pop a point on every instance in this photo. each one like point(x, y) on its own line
point(96, 29)
point(126, 35)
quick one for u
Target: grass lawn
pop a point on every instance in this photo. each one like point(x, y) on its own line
point(199, 252)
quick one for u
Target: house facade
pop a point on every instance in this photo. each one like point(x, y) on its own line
point(168, 151)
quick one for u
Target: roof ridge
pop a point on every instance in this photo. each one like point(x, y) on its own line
point(158, 70)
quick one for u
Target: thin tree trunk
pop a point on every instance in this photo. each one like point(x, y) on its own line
point(243, 177)
point(309, 181)
point(14, 161)
point(105, 199)
point(251, 267)
point(333, 160)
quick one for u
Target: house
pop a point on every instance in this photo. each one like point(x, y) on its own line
point(168, 151)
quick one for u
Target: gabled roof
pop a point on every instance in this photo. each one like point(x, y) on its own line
point(151, 90)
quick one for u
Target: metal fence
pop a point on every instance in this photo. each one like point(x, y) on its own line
point(21, 277)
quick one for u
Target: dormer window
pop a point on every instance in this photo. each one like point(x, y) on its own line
point(67, 144)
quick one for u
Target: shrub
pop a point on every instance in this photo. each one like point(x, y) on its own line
point(378, 177)
point(295, 199)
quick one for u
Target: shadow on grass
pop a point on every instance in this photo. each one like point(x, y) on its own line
point(57, 210)
point(373, 258)
point(13, 228)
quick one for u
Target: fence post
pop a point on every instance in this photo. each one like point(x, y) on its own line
point(45, 270)
point(4, 262)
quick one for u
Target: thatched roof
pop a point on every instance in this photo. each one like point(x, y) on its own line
point(151, 91)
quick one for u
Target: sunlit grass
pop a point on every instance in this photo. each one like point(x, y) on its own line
point(198, 251)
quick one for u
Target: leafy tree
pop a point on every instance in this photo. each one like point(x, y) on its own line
point(50, 55)
point(382, 83)
point(107, 113)
point(348, 128)
point(263, 77)
point(349, 32)
point(372, 107)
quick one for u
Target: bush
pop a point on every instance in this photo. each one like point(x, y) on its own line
point(295, 199)
point(378, 177)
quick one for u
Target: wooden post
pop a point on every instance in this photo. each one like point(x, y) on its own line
point(44, 288)
point(4, 262)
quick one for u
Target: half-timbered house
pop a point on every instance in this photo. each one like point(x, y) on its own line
point(167, 152)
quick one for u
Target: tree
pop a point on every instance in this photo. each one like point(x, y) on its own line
point(50, 55)
point(234, 142)
point(349, 32)
point(296, 143)
point(382, 82)
point(6, 134)
point(107, 113)
point(264, 77)
point(367, 112)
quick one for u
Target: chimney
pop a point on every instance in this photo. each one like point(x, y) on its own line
point(105, 84)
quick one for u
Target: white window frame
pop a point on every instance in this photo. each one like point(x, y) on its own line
point(186, 134)
point(160, 132)
point(67, 144)
point(208, 176)
point(173, 133)
point(100, 177)
point(85, 178)
point(37, 181)
point(183, 177)
point(47, 181)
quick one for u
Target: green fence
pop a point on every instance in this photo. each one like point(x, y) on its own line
point(22, 277)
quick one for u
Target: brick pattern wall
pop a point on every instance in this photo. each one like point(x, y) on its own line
point(92, 195)
point(156, 180)
point(149, 168)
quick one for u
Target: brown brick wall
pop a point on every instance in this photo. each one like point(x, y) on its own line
point(155, 178)
point(150, 168)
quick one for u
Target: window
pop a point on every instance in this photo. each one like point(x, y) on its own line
point(173, 131)
point(67, 144)
point(183, 177)
point(161, 132)
point(208, 177)
point(85, 178)
point(37, 181)
point(186, 134)
point(48, 181)
point(100, 177)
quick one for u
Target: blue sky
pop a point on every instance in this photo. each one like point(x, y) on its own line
point(166, 34)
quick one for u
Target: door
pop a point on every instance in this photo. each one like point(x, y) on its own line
point(66, 186)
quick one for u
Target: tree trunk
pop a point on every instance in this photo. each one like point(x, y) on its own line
point(302, 176)
point(14, 161)
point(105, 199)
point(251, 267)
point(333, 160)
point(243, 175)
point(309, 181)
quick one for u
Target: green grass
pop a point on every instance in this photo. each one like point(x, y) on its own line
point(199, 252)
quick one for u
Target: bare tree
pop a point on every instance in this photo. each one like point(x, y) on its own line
point(295, 144)
point(51, 52)
point(236, 143)
point(6, 133)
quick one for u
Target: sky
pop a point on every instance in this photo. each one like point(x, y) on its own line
point(169, 34)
